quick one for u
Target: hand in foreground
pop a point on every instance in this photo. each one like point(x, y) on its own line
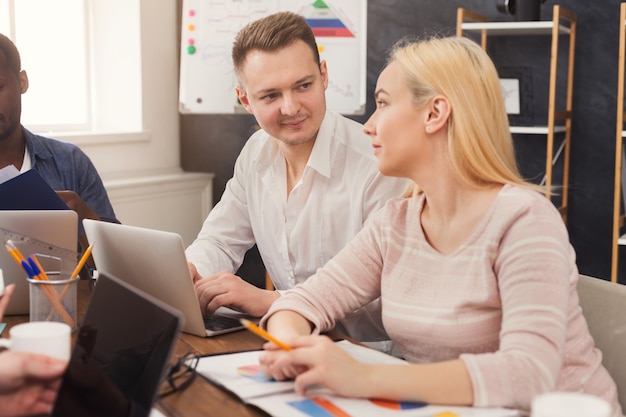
point(28, 383)
point(315, 360)
point(227, 290)
point(74, 202)
point(4, 299)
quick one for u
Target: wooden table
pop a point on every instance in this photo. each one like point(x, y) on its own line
point(201, 398)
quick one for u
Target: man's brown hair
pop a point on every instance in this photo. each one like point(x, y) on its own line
point(272, 33)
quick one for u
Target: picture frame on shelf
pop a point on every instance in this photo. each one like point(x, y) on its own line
point(517, 88)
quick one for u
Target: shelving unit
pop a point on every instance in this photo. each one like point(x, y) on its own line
point(618, 217)
point(562, 23)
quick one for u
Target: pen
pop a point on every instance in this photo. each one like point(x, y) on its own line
point(75, 273)
point(37, 271)
point(43, 272)
point(28, 269)
point(47, 291)
point(265, 335)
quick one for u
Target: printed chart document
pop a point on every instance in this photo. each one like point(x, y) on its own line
point(240, 374)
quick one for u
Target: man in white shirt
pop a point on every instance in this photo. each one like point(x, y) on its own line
point(302, 187)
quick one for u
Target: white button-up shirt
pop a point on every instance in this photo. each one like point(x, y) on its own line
point(339, 190)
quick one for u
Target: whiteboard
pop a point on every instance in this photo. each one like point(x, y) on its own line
point(207, 79)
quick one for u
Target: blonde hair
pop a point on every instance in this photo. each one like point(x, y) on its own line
point(479, 140)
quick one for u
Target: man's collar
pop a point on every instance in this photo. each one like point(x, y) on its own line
point(34, 146)
point(320, 158)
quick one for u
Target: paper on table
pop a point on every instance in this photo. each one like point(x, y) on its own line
point(294, 405)
point(240, 374)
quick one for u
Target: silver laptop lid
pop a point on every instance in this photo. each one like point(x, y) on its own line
point(57, 227)
point(152, 260)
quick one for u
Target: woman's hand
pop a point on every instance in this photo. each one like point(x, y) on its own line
point(315, 360)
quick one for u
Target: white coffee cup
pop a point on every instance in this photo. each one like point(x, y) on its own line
point(43, 337)
point(569, 404)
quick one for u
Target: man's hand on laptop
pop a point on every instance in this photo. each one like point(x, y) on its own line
point(193, 271)
point(227, 290)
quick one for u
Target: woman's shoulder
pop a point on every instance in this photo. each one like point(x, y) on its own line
point(402, 207)
point(520, 204)
point(521, 198)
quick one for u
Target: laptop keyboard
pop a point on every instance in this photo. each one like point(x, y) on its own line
point(215, 322)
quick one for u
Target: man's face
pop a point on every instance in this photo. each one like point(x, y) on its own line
point(11, 88)
point(285, 91)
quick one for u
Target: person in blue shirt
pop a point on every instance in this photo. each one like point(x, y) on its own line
point(64, 166)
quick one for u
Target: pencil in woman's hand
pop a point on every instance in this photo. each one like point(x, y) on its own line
point(265, 335)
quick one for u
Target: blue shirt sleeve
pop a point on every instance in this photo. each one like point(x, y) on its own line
point(65, 166)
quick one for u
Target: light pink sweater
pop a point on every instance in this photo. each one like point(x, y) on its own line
point(505, 301)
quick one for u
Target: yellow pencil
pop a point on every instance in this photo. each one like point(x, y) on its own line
point(14, 251)
point(82, 261)
point(75, 273)
point(13, 254)
point(265, 335)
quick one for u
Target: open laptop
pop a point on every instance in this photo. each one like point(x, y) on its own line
point(154, 261)
point(121, 355)
point(57, 227)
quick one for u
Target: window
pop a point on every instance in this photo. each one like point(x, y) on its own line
point(132, 79)
point(83, 60)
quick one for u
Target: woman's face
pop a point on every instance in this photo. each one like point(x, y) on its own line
point(397, 126)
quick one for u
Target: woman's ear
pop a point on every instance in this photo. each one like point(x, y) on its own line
point(439, 112)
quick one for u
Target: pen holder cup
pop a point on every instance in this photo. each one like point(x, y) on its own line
point(54, 299)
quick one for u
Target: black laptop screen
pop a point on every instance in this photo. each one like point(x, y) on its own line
point(121, 353)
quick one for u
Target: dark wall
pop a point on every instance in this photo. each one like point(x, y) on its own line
point(211, 143)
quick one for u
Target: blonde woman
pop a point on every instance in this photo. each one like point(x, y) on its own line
point(475, 271)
